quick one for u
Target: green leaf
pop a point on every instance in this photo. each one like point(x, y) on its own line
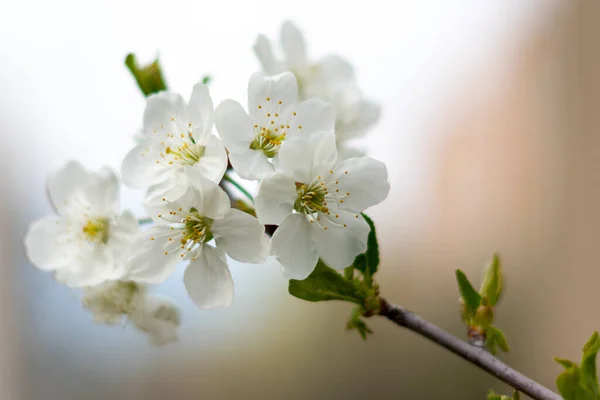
point(368, 262)
point(206, 79)
point(324, 284)
point(494, 338)
point(491, 286)
point(588, 361)
point(494, 396)
point(569, 385)
point(471, 298)
point(372, 253)
point(355, 322)
point(580, 382)
point(149, 77)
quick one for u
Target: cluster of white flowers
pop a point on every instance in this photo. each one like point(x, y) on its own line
point(292, 139)
point(330, 79)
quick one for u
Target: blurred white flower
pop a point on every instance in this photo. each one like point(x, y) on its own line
point(254, 138)
point(330, 79)
point(317, 204)
point(154, 315)
point(184, 229)
point(88, 242)
point(175, 134)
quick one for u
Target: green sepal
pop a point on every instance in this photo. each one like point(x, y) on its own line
point(324, 283)
point(470, 296)
point(494, 338)
point(356, 322)
point(149, 77)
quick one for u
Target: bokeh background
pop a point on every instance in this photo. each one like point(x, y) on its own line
point(490, 133)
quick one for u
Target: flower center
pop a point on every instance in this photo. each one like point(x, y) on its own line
point(268, 142)
point(185, 154)
point(95, 230)
point(196, 228)
point(311, 198)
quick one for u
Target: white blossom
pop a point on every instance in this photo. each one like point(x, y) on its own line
point(175, 135)
point(317, 204)
point(183, 232)
point(154, 315)
point(88, 242)
point(254, 138)
point(330, 79)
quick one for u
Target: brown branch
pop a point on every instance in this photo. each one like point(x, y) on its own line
point(475, 355)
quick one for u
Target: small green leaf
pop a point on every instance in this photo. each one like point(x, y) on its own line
point(368, 262)
point(494, 338)
point(372, 253)
point(491, 286)
point(580, 382)
point(588, 361)
point(470, 296)
point(324, 284)
point(494, 396)
point(360, 263)
point(355, 322)
point(206, 79)
point(149, 77)
point(569, 385)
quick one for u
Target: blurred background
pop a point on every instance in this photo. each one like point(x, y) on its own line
point(490, 133)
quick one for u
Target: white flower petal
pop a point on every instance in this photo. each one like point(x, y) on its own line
point(275, 198)
point(294, 248)
point(158, 318)
point(241, 236)
point(93, 267)
point(364, 115)
point(234, 125)
point(161, 109)
point(47, 244)
point(339, 245)
point(63, 183)
point(200, 111)
point(307, 158)
point(251, 165)
point(365, 181)
point(267, 92)
point(333, 69)
point(209, 199)
point(139, 169)
point(312, 116)
point(293, 46)
point(102, 192)
point(213, 163)
point(346, 151)
point(170, 189)
point(270, 64)
point(208, 280)
point(149, 263)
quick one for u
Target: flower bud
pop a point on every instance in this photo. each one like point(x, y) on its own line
point(484, 316)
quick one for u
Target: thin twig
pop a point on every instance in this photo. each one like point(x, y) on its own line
point(475, 355)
